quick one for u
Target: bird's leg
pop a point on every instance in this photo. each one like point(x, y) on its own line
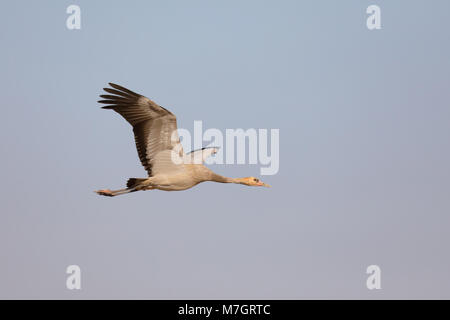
point(112, 193)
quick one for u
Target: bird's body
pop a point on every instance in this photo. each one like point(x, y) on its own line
point(159, 147)
point(192, 175)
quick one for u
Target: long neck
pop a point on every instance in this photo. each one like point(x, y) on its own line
point(218, 178)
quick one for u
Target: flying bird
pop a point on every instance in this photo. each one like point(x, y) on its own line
point(159, 148)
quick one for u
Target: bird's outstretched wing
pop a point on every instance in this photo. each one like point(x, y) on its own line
point(154, 127)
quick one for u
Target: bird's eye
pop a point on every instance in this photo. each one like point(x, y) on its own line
point(256, 180)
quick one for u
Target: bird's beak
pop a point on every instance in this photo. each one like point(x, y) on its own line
point(262, 184)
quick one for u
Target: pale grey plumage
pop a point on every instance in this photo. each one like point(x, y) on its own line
point(154, 127)
point(159, 147)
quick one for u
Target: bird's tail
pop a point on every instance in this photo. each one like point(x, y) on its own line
point(134, 182)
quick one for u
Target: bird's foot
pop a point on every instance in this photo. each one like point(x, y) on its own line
point(105, 192)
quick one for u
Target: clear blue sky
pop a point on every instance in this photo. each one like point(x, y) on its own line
point(364, 149)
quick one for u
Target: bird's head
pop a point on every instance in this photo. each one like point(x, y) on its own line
point(252, 181)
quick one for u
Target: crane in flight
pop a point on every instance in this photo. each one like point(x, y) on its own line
point(159, 148)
